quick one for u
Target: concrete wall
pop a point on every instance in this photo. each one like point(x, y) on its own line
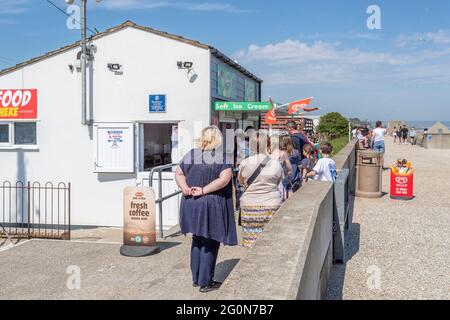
point(437, 141)
point(293, 258)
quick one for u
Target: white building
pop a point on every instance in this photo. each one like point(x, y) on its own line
point(141, 102)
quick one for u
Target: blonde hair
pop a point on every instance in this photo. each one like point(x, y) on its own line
point(210, 138)
point(274, 143)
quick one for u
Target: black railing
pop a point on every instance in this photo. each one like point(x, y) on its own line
point(33, 210)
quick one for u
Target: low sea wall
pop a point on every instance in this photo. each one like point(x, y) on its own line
point(293, 257)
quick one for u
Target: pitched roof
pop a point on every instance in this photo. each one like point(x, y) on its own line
point(439, 128)
point(131, 24)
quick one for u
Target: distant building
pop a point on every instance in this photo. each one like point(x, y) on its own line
point(437, 137)
point(356, 122)
point(396, 124)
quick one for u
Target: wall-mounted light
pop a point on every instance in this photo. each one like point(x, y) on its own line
point(191, 74)
point(114, 67)
point(185, 64)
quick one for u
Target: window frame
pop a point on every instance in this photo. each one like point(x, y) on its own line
point(10, 137)
point(11, 144)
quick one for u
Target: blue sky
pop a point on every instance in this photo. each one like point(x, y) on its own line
point(300, 48)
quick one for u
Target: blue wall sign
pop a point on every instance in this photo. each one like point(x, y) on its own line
point(157, 103)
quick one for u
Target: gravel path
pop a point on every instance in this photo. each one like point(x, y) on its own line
point(400, 249)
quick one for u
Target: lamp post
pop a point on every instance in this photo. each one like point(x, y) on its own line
point(83, 59)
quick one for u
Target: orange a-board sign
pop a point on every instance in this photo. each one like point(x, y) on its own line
point(139, 211)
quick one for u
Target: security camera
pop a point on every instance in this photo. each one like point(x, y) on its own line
point(192, 75)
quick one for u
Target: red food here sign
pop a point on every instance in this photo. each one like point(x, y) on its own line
point(18, 104)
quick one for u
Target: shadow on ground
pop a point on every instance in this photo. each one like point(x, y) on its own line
point(224, 269)
point(337, 276)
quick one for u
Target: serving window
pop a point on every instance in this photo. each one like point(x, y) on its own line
point(158, 144)
point(18, 134)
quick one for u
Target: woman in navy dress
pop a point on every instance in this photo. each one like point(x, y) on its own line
point(207, 205)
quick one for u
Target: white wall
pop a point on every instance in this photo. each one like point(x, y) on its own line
point(65, 146)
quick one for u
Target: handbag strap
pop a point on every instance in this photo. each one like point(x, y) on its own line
point(255, 174)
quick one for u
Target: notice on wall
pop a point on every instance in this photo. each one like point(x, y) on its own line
point(139, 211)
point(115, 138)
point(157, 103)
point(18, 104)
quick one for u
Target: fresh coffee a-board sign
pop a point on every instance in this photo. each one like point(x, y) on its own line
point(139, 223)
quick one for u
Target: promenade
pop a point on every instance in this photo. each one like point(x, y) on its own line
point(400, 249)
point(396, 250)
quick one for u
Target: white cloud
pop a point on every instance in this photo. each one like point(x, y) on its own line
point(292, 62)
point(188, 6)
point(8, 7)
point(441, 37)
point(294, 51)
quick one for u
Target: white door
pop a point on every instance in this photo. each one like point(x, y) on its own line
point(114, 147)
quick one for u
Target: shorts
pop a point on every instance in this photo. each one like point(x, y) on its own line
point(379, 147)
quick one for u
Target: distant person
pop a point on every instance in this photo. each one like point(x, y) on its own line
point(206, 206)
point(400, 134)
point(309, 162)
point(292, 182)
point(354, 131)
point(260, 175)
point(360, 137)
point(394, 134)
point(325, 169)
point(299, 139)
point(277, 153)
point(378, 143)
point(405, 133)
point(413, 136)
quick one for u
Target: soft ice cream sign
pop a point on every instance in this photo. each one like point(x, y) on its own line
point(18, 104)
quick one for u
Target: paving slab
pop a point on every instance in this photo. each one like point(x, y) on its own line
point(403, 244)
point(43, 269)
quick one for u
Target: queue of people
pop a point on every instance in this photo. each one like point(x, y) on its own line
point(269, 170)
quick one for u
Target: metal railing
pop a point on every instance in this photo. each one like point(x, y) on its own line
point(33, 210)
point(161, 198)
point(341, 215)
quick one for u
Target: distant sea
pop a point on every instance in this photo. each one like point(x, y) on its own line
point(426, 124)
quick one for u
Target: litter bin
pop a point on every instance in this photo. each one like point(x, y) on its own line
point(369, 173)
point(402, 186)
